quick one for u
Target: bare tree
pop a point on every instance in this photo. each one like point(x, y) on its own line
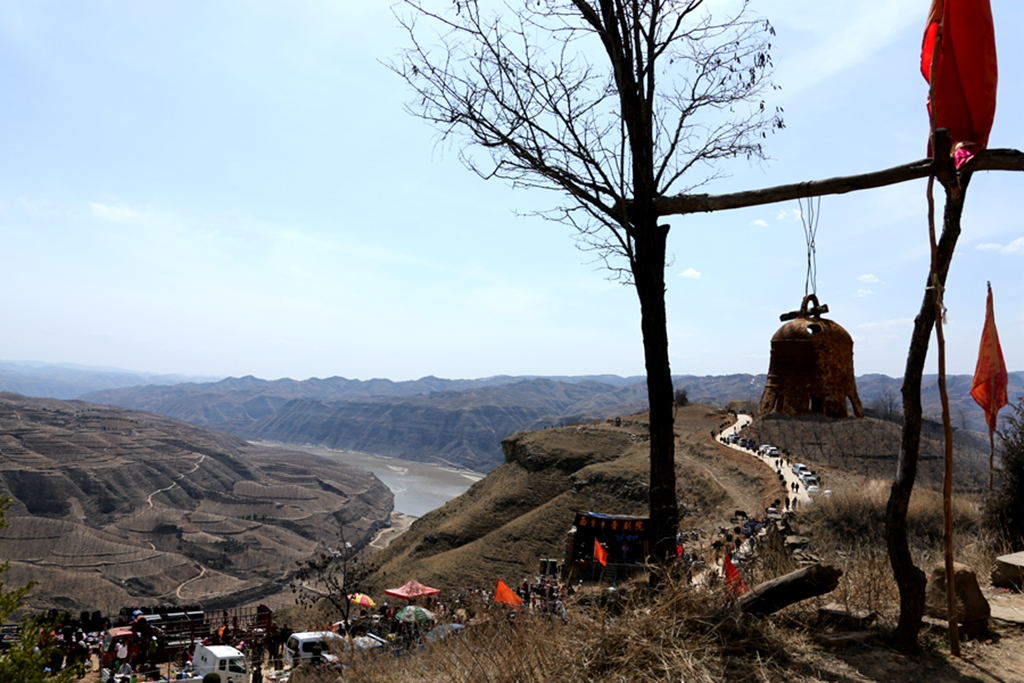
point(887, 405)
point(331, 574)
point(614, 104)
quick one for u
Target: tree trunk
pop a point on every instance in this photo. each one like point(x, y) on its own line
point(649, 279)
point(909, 578)
point(782, 591)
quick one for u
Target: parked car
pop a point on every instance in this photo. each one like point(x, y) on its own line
point(307, 645)
point(809, 481)
point(813, 488)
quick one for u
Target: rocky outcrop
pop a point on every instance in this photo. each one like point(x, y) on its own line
point(970, 606)
point(1009, 571)
point(464, 428)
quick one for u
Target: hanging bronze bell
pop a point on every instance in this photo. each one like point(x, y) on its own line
point(811, 367)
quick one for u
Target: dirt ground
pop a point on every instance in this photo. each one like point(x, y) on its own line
point(998, 658)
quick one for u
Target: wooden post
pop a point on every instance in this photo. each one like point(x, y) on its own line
point(947, 481)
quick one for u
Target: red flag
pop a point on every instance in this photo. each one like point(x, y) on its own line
point(961, 38)
point(733, 579)
point(990, 376)
point(600, 554)
point(504, 594)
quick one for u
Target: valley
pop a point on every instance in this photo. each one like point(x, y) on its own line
point(113, 507)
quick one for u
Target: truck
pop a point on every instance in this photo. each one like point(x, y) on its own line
point(163, 633)
point(224, 660)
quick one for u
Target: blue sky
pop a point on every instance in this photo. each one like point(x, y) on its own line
point(234, 188)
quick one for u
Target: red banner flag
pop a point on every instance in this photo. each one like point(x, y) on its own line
point(600, 554)
point(505, 595)
point(733, 579)
point(958, 59)
point(990, 376)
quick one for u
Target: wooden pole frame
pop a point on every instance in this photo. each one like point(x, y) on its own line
point(909, 578)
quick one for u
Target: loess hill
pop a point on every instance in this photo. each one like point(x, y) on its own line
point(113, 507)
point(522, 510)
point(868, 448)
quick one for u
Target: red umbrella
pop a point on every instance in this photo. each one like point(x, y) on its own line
point(412, 590)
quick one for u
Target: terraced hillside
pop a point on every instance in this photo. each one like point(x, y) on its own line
point(114, 507)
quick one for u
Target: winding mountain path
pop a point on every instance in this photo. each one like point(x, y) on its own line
point(202, 572)
point(768, 461)
point(149, 498)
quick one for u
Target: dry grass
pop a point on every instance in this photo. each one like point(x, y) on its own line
point(678, 635)
point(848, 531)
point(684, 633)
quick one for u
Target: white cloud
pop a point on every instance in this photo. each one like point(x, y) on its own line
point(839, 37)
point(691, 273)
point(114, 214)
point(759, 223)
point(1014, 247)
point(868, 278)
point(788, 214)
point(865, 292)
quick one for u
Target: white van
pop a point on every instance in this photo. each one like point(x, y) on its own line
point(306, 645)
point(220, 659)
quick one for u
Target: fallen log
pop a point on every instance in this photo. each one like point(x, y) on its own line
point(771, 596)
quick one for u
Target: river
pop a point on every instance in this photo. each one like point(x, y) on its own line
point(419, 487)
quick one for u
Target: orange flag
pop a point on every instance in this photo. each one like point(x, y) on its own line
point(600, 554)
point(960, 39)
point(733, 579)
point(990, 376)
point(504, 594)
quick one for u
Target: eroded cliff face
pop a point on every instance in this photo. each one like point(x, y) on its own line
point(461, 422)
point(523, 509)
point(113, 507)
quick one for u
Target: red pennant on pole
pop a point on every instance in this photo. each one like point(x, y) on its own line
point(505, 595)
point(960, 39)
point(733, 579)
point(600, 554)
point(990, 377)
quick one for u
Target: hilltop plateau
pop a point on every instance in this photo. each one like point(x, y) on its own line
point(523, 509)
point(114, 507)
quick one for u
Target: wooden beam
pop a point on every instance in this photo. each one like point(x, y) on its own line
point(773, 595)
point(987, 160)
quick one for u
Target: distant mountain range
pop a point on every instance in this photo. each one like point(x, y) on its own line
point(456, 421)
point(459, 422)
point(67, 380)
point(462, 422)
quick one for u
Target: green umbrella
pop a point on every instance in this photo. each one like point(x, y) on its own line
point(414, 614)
